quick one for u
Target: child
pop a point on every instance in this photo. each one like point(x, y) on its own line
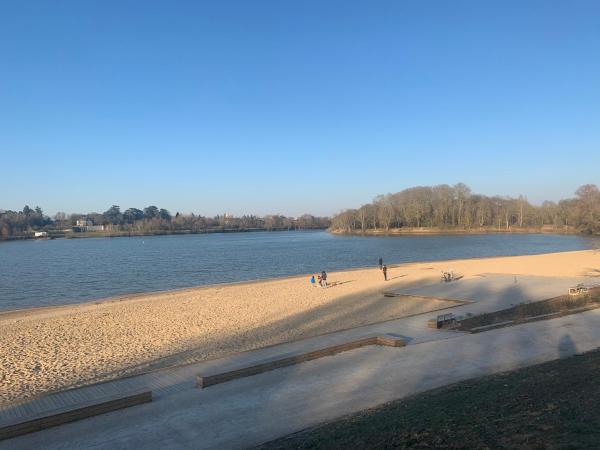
point(312, 281)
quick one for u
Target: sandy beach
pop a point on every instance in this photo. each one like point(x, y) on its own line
point(54, 348)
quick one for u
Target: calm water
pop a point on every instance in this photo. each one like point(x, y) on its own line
point(41, 273)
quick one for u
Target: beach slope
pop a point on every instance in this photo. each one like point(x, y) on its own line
point(50, 349)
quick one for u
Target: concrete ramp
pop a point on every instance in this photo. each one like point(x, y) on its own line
point(37, 420)
point(280, 361)
point(499, 291)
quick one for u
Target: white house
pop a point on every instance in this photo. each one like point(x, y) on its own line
point(87, 225)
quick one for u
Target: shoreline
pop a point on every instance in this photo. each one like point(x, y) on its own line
point(424, 231)
point(117, 234)
point(132, 297)
point(54, 348)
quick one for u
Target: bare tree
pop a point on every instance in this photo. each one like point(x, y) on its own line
point(444, 206)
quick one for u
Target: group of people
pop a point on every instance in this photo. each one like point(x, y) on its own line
point(322, 278)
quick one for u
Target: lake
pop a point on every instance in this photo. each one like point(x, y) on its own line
point(62, 271)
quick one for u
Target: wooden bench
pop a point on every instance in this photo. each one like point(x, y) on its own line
point(442, 321)
point(71, 413)
point(277, 362)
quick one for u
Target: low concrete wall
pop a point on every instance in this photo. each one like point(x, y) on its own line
point(25, 425)
point(204, 381)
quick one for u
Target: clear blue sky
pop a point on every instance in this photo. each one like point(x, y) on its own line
point(292, 107)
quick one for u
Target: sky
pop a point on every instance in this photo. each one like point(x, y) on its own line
point(259, 107)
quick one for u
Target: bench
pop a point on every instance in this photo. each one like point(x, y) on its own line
point(280, 361)
point(442, 321)
point(71, 413)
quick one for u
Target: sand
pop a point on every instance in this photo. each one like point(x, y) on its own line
point(50, 349)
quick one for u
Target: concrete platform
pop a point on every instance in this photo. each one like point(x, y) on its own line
point(252, 410)
point(279, 361)
point(492, 292)
point(21, 425)
point(166, 382)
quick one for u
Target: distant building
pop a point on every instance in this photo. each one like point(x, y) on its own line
point(40, 234)
point(84, 225)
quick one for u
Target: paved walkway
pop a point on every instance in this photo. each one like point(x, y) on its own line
point(168, 381)
point(492, 292)
point(249, 411)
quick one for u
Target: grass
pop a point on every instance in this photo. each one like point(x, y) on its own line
point(554, 405)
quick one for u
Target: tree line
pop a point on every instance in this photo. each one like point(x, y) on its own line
point(22, 224)
point(456, 207)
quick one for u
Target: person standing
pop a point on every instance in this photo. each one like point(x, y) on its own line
point(324, 279)
point(384, 269)
point(312, 281)
point(380, 263)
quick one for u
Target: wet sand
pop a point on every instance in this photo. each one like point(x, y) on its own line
point(54, 348)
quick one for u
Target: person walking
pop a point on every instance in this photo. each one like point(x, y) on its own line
point(324, 279)
point(380, 263)
point(384, 269)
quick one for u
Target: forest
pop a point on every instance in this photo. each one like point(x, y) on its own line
point(150, 220)
point(457, 208)
point(440, 208)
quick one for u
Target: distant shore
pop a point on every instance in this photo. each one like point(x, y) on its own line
point(451, 231)
point(121, 233)
point(49, 349)
point(422, 231)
